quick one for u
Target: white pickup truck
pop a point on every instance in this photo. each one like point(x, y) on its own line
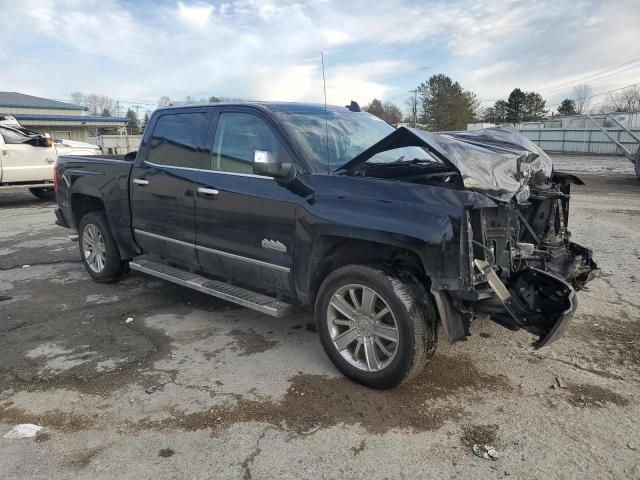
point(27, 157)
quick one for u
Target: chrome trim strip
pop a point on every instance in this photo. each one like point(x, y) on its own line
point(244, 259)
point(216, 252)
point(160, 237)
point(251, 175)
point(140, 181)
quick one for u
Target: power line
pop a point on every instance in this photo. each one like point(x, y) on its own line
point(600, 94)
point(596, 76)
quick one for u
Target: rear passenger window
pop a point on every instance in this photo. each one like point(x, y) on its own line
point(238, 135)
point(175, 140)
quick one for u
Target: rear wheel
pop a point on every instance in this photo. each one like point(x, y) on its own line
point(45, 193)
point(98, 248)
point(376, 324)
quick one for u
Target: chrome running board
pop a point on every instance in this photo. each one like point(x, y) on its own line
point(215, 288)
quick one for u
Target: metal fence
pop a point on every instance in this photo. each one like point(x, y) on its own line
point(587, 141)
point(117, 144)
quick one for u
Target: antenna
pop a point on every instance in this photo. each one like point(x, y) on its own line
point(326, 120)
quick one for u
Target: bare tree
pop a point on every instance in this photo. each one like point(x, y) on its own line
point(164, 101)
point(581, 94)
point(96, 104)
point(77, 98)
point(627, 100)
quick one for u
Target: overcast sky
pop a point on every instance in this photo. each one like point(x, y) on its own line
point(270, 50)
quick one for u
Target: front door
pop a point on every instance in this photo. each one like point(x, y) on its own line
point(163, 186)
point(245, 222)
point(23, 162)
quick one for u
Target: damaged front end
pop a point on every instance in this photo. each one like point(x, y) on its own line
point(525, 268)
point(517, 261)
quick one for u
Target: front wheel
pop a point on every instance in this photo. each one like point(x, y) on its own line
point(45, 193)
point(376, 324)
point(98, 248)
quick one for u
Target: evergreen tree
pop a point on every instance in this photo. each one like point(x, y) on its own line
point(445, 105)
point(567, 107)
point(516, 106)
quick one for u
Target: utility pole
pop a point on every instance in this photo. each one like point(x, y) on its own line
point(415, 107)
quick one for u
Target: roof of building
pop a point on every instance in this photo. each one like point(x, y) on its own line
point(21, 100)
point(71, 118)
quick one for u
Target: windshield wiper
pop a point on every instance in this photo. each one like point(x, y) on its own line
point(413, 161)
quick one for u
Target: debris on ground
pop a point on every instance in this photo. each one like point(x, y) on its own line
point(23, 430)
point(166, 453)
point(485, 451)
point(309, 431)
point(128, 320)
point(560, 382)
point(632, 446)
point(26, 266)
point(151, 389)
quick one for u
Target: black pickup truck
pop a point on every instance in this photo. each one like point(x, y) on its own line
point(386, 233)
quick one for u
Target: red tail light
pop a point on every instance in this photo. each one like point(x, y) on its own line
point(55, 178)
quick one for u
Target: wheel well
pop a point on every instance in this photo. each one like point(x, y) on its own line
point(82, 204)
point(330, 253)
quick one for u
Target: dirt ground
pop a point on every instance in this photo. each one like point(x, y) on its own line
point(194, 387)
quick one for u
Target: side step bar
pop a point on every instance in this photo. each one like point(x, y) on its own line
point(215, 288)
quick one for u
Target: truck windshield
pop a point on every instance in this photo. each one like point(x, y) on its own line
point(345, 135)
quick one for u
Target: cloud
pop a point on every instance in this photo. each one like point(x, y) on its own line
point(194, 15)
point(270, 49)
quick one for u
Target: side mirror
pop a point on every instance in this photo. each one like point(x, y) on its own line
point(265, 164)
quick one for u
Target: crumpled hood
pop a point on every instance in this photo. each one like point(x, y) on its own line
point(497, 161)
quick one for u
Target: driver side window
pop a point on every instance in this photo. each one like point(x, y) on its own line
point(238, 135)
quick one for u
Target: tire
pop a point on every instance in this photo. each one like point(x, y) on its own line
point(45, 193)
point(411, 312)
point(95, 236)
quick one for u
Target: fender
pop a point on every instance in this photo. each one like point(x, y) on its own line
point(422, 219)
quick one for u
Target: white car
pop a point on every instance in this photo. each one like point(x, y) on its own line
point(27, 157)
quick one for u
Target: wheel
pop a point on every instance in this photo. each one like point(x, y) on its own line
point(45, 193)
point(98, 249)
point(378, 325)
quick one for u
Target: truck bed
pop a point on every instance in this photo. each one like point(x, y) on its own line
point(84, 179)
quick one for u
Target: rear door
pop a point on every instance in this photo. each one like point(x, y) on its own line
point(245, 222)
point(163, 185)
point(23, 162)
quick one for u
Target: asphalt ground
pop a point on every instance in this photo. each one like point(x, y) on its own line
point(194, 387)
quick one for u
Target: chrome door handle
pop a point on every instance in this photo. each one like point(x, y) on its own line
point(208, 191)
point(140, 181)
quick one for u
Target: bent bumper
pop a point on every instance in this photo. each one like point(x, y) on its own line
point(536, 300)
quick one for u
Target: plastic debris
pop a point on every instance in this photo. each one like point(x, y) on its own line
point(309, 431)
point(632, 446)
point(485, 451)
point(26, 266)
point(24, 430)
point(151, 389)
point(561, 383)
point(128, 320)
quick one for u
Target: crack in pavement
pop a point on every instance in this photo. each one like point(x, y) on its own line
point(248, 461)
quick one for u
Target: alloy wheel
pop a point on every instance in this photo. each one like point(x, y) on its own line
point(93, 248)
point(362, 327)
